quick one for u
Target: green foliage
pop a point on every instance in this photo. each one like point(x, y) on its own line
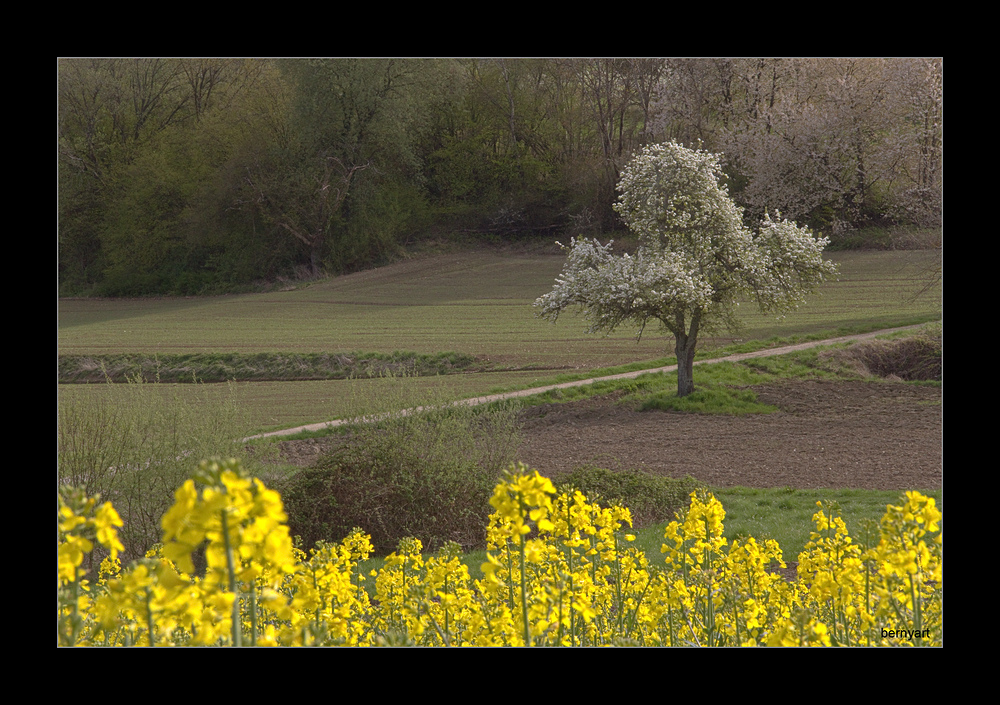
point(345, 190)
point(383, 212)
point(183, 176)
point(136, 443)
point(427, 475)
point(651, 498)
point(491, 163)
point(194, 176)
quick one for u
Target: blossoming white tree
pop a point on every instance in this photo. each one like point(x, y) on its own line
point(695, 260)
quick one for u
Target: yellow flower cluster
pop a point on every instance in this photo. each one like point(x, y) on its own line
point(558, 567)
point(559, 572)
point(323, 601)
point(237, 525)
point(81, 522)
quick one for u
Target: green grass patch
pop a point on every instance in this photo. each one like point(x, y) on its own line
point(785, 514)
point(721, 388)
point(717, 400)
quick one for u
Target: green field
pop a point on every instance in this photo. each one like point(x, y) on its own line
point(477, 303)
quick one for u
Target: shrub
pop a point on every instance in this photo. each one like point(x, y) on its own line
point(427, 475)
point(652, 499)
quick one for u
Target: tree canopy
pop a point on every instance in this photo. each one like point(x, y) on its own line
point(696, 257)
point(189, 176)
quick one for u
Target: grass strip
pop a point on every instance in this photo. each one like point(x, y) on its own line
point(257, 367)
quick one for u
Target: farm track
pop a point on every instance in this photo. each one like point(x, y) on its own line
point(476, 401)
point(872, 435)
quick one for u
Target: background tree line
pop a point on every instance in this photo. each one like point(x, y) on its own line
point(198, 175)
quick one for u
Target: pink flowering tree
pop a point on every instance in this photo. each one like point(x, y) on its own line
point(696, 258)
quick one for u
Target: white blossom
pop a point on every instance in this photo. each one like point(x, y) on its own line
point(695, 256)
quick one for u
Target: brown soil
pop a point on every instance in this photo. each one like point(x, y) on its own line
point(835, 434)
point(867, 435)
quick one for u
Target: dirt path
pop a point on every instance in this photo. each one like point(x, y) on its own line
point(827, 434)
point(475, 401)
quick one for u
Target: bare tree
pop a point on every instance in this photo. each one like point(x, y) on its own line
point(306, 203)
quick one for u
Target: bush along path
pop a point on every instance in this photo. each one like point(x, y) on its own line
point(476, 401)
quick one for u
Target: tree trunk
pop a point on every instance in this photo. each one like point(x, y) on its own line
point(684, 349)
point(685, 366)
